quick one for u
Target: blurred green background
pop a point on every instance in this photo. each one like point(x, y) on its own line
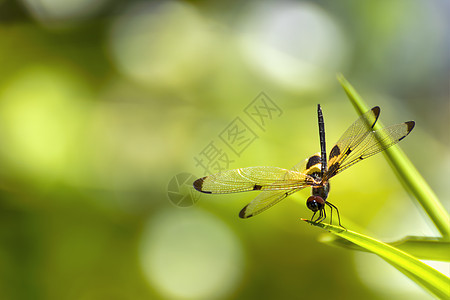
point(103, 104)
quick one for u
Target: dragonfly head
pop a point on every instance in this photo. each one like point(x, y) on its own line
point(315, 203)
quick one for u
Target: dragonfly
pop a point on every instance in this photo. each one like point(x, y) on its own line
point(358, 142)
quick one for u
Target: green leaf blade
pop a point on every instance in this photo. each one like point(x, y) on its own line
point(424, 275)
point(428, 248)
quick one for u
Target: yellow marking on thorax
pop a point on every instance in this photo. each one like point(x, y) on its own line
point(317, 167)
point(314, 169)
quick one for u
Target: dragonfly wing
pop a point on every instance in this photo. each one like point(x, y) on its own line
point(252, 179)
point(366, 145)
point(304, 164)
point(354, 135)
point(264, 201)
point(268, 199)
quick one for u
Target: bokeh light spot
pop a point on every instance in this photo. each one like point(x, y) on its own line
point(296, 44)
point(190, 254)
point(42, 112)
point(163, 44)
point(51, 11)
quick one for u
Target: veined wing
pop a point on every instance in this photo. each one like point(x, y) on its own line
point(269, 198)
point(252, 179)
point(352, 149)
point(353, 136)
point(266, 200)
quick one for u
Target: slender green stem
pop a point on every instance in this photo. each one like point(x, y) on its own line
point(406, 172)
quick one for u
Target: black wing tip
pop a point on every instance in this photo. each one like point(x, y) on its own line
point(198, 185)
point(376, 110)
point(257, 187)
point(242, 213)
point(410, 125)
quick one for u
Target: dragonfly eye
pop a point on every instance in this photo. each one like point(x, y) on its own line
point(315, 203)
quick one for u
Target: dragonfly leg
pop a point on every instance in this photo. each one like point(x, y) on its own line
point(331, 215)
point(339, 218)
point(322, 216)
point(319, 217)
point(312, 218)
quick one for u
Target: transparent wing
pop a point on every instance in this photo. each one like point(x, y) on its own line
point(360, 142)
point(353, 136)
point(268, 199)
point(252, 179)
point(265, 200)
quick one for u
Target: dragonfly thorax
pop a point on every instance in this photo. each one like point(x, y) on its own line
point(321, 191)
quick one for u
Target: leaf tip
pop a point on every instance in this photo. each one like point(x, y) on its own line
point(340, 76)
